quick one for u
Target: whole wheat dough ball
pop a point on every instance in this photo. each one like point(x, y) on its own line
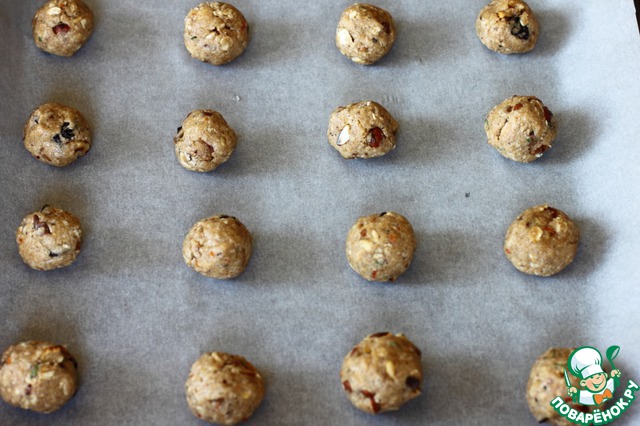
point(382, 372)
point(38, 376)
point(541, 241)
point(508, 26)
point(49, 239)
point(362, 130)
point(204, 141)
point(215, 32)
point(61, 27)
point(218, 247)
point(56, 134)
point(546, 382)
point(521, 128)
point(365, 33)
point(223, 389)
point(380, 247)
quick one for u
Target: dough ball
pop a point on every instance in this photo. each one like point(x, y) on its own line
point(204, 141)
point(362, 130)
point(215, 32)
point(218, 247)
point(521, 128)
point(57, 134)
point(365, 33)
point(224, 389)
point(382, 372)
point(380, 247)
point(541, 241)
point(546, 381)
point(508, 26)
point(37, 376)
point(61, 27)
point(49, 239)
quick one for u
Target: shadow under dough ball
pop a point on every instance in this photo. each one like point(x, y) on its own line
point(380, 247)
point(57, 134)
point(204, 141)
point(507, 26)
point(365, 33)
point(541, 241)
point(224, 389)
point(382, 373)
point(61, 27)
point(362, 130)
point(49, 239)
point(37, 376)
point(546, 382)
point(521, 128)
point(215, 32)
point(218, 247)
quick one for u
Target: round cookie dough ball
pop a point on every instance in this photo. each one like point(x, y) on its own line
point(541, 241)
point(215, 32)
point(362, 130)
point(382, 372)
point(204, 141)
point(508, 26)
point(61, 27)
point(49, 239)
point(365, 33)
point(521, 128)
point(218, 247)
point(224, 389)
point(37, 376)
point(380, 247)
point(56, 134)
point(546, 382)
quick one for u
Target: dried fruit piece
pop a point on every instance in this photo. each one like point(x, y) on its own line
point(61, 28)
point(375, 137)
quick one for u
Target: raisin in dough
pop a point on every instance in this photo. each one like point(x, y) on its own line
point(365, 33)
point(223, 389)
point(380, 247)
point(61, 27)
point(215, 32)
point(56, 134)
point(218, 247)
point(37, 376)
point(546, 382)
point(382, 372)
point(204, 141)
point(521, 128)
point(362, 130)
point(508, 26)
point(541, 241)
point(49, 239)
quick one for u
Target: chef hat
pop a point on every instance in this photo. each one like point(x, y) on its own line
point(585, 361)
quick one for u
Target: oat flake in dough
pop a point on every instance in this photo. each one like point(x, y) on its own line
point(61, 27)
point(365, 33)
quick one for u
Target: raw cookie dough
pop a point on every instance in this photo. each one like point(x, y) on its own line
point(362, 130)
point(224, 389)
point(521, 128)
point(507, 26)
point(56, 134)
point(365, 33)
point(541, 241)
point(382, 372)
point(49, 239)
point(37, 376)
point(215, 32)
point(546, 382)
point(218, 247)
point(61, 27)
point(380, 247)
point(204, 141)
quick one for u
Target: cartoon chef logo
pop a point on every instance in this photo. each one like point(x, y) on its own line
point(586, 364)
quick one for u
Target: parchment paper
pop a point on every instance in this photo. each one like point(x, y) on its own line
point(137, 317)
